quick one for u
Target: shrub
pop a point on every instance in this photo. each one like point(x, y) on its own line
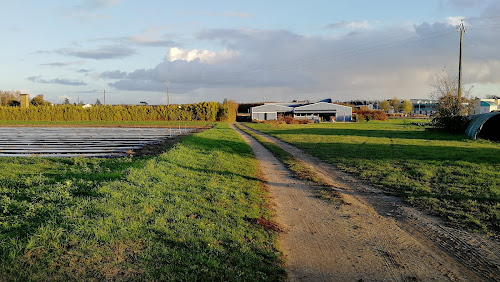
point(366, 114)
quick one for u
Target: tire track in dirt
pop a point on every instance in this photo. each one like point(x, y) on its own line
point(373, 237)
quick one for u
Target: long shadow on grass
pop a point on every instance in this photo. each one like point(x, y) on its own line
point(425, 135)
point(401, 152)
point(175, 258)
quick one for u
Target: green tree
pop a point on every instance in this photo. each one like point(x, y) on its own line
point(39, 101)
point(396, 104)
point(97, 103)
point(407, 106)
point(385, 106)
point(66, 101)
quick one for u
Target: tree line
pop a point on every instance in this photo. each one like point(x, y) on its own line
point(205, 111)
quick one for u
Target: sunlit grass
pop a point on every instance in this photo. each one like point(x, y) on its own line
point(446, 174)
point(181, 216)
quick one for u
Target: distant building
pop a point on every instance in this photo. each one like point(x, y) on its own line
point(269, 111)
point(25, 100)
point(320, 111)
point(486, 105)
point(359, 104)
point(424, 106)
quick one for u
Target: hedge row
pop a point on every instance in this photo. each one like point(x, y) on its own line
point(206, 111)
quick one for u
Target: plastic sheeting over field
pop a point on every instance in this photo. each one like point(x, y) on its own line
point(73, 142)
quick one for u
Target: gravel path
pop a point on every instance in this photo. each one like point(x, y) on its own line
point(372, 237)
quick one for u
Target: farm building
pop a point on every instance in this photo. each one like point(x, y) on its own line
point(484, 106)
point(269, 111)
point(321, 111)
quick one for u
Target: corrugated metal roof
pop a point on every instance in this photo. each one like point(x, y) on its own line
point(269, 108)
point(477, 122)
point(320, 107)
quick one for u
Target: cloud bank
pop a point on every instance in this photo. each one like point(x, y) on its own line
point(61, 81)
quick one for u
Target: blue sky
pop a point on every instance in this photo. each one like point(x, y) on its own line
point(249, 51)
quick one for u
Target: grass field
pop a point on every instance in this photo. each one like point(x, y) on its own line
point(448, 175)
point(196, 212)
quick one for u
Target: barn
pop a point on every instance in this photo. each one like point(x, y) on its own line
point(269, 111)
point(323, 111)
point(320, 111)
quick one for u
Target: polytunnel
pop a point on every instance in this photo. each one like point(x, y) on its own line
point(484, 126)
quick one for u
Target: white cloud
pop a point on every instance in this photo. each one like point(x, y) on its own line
point(350, 25)
point(100, 53)
point(62, 81)
point(282, 65)
point(205, 56)
point(455, 21)
point(63, 64)
point(209, 13)
point(99, 4)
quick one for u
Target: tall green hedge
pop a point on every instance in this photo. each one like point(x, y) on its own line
point(206, 111)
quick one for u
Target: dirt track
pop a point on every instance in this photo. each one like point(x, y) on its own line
point(373, 237)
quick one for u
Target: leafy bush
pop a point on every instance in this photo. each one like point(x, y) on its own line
point(366, 114)
point(206, 111)
point(292, 120)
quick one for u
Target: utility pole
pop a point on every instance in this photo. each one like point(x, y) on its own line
point(462, 30)
point(104, 93)
point(168, 97)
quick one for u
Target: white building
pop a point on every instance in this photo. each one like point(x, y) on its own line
point(486, 105)
point(321, 111)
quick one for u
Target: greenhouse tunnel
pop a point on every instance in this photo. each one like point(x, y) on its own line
point(485, 126)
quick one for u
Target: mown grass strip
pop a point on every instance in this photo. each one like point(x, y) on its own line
point(299, 168)
point(447, 175)
point(190, 214)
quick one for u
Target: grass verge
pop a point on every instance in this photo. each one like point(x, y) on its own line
point(196, 212)
point(299, 168)
point(447, 175)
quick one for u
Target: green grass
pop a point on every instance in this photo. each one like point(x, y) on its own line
point(448, 175)
point(106, 123)
point(190, 214)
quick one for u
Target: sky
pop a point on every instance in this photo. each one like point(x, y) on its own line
point(247, 51)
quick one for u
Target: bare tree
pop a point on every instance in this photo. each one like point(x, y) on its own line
point(451, 109)
point(8, 98)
